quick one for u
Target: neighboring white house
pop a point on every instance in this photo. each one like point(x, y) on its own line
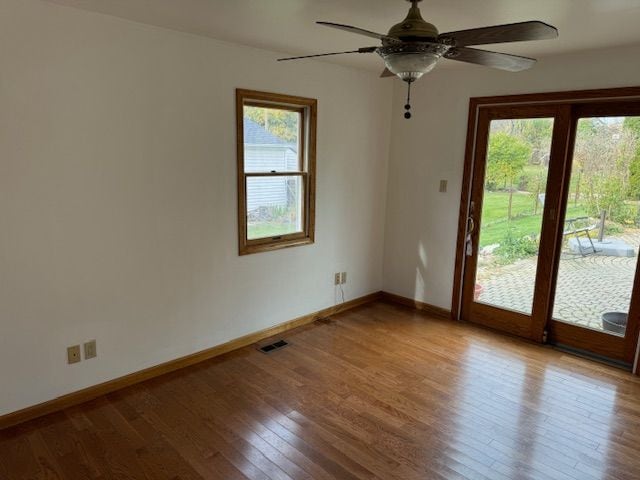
point(265, 152)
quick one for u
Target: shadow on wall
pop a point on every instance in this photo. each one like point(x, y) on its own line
point(430, 282)
point(421, 269)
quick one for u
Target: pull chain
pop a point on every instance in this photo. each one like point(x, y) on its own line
point(407, 107)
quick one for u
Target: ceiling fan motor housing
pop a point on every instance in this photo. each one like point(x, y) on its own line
point(414, 27)
point(416, 48)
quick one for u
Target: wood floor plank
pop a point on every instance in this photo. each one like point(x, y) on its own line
point(379, 393)
point(324, 453)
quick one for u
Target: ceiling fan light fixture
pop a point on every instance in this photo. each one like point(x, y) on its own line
point(411, 66)
point(412, 61)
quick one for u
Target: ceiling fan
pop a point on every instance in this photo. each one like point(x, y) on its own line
point(413, 47)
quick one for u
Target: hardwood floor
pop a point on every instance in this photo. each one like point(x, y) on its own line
point(379, 392)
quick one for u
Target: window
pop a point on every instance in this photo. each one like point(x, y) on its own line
point(276, 170)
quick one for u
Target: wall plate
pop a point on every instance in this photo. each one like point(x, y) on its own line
point(73, 354)
point(90, 350)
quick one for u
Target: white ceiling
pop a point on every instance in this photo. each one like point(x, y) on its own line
point(288, 25)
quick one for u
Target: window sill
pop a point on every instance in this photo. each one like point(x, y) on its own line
point(276, 245)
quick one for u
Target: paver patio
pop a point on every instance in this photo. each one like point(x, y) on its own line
point(587, 286)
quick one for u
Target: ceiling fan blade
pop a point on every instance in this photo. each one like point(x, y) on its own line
point(501, 61)
point(513, 32)
point(360, 50)
point(387, 73)
point(359, 31)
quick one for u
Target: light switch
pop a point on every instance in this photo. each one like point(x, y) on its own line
point(90, 350)
point(443, 186)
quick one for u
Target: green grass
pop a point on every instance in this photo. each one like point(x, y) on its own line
point(522, 227)
point(496, 206)
point(494, 216)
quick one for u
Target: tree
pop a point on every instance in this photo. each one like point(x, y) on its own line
point(632, 126)
point(506, 159)
point(603, 152)
point(634, 177)
point(282, 123)
point(537, 133)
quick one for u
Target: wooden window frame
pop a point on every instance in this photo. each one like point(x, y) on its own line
point(307, 107)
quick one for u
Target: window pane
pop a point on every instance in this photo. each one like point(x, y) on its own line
point(274, 206)
point(602, 226)
point(512, 208)
point(271, 140)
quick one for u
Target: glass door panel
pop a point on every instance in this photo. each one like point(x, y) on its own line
point(601, 232)
point(516, 152)
point(516, 171)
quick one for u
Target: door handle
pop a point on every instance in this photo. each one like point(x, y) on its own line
point(471, 225)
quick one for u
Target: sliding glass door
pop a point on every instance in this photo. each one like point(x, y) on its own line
point(596, 286)
point(552, 225)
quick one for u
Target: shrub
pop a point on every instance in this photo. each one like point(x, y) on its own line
point(626, 214)
point(610, 196)
point(514, 248)
point(613, 229)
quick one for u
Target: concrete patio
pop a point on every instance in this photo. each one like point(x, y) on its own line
point(587, 286)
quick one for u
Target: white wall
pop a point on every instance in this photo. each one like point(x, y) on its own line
point(118, 197)
point(421, 227)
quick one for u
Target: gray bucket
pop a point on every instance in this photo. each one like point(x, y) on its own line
point(614, 322)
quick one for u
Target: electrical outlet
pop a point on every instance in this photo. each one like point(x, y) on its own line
point(343, 277)
point(443, 186)
point(90, 350)
point(73, 354)
point(336, 279)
